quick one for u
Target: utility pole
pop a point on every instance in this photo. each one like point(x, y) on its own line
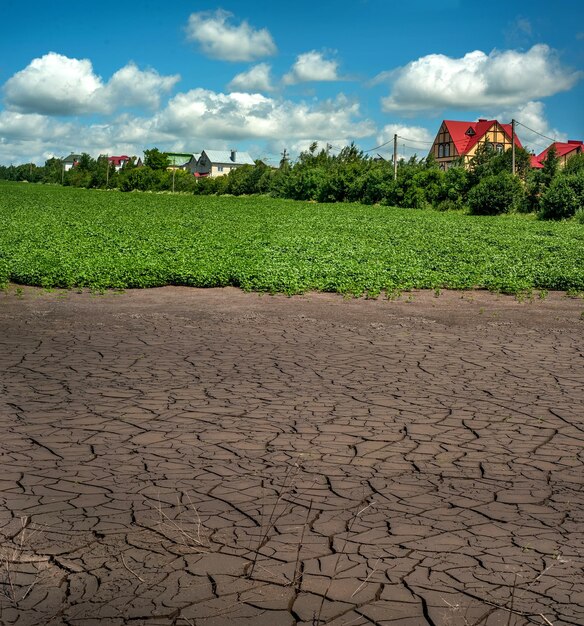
point(284, 160)
point(513, 147)
point(106, 171)
point(395, 157)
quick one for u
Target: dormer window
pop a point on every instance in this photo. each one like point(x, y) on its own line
point(470, 132)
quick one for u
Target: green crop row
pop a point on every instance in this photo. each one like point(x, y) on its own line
point(63, 237)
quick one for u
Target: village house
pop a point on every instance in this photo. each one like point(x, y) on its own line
point(220, 162)
point(564, 151)
point(119, 161)
point(191, 164)
point(71, 161)
point(458, 141)
point(178, 160)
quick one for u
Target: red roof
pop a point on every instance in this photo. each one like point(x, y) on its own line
point(563, 148)
point(465, 142)
point(535, 163)
point(117, 160)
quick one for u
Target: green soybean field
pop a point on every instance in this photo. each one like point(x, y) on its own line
point(53, 236)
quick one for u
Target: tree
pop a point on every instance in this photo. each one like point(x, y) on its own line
point(550, 167)
point(53, 170)
point(86, 163)
point(156, 160)
point(575, 163)
point(496, 194)
point(563, 198)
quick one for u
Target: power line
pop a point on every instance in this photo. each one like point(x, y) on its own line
point(535, 131)
point(426, 143)
point(377, 147)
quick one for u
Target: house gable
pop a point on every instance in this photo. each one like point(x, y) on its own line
point(564, 150)
point(70, 161)
point(221, 162)
point(458, 139)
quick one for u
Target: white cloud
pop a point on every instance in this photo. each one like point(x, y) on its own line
point(312, 66)
point(53, 85)
point(130, 87)
point(26, 137)
point(190, 122)
point(222, 40)
point(57, 85)
point(202, 115)
point(532, 125)
point(411, 139)
point(416, 135)
point(255, 79)
point(478, 80)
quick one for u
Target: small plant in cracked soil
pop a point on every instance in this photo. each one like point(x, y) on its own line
point(20, 569)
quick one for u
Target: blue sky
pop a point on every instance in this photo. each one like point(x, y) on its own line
point(117, 78)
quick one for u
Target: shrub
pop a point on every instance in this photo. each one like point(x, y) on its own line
point(449, 205)
point(495, 194)
point(563, 198)
point(142, 179)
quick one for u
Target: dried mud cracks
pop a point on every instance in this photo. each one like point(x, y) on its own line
point(186, 457)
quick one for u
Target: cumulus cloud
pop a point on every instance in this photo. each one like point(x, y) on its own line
point(312, 66)
point(533, 124)
point(416, 138)
point(202, 114)
point(255, 79)
point(132, 87)
point(25, 137)
point(220, 39)
point(416, 135)
point(478, 80)
point(57, 85)
point(53, 85)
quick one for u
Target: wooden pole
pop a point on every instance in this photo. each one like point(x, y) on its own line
point(395, 157)
point(513, 147)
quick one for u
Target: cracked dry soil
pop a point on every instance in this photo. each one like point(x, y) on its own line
point(210, 457)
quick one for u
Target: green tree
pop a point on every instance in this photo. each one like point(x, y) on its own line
point(86, 163)
point(496, 194)
point(53, 170)
point(564, 197)
point(156, 160)
point(551, 166)
point(575, 163)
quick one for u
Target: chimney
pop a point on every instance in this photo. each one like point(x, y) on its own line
point(482, 119)
point(233, 154)
point(574, 141)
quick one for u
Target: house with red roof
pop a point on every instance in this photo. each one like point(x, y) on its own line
point(459, 141)
point(564, 151)
point(119, 161)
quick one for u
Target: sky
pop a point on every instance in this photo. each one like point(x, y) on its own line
point(121, 77)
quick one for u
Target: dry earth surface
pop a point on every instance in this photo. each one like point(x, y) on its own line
point(211, 457)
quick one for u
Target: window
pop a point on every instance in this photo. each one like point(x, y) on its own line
point(443, 150)
point(219, 168)
point(470, 132)
point(499, 148)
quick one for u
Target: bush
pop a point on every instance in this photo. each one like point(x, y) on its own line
point(449, 205)
point(564, 197)
point(141, 179)
point(496, 194)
